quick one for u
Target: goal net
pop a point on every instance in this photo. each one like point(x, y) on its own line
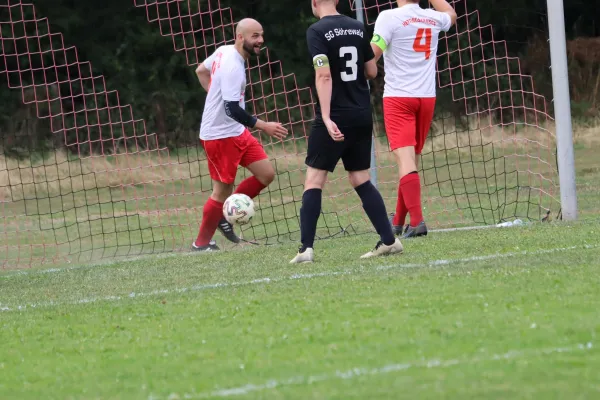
point(107, 187)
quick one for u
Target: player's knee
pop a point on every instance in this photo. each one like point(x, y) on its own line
point(221, 191)
point(407, 169)
point(358, 178)
point(314, 184)
point(406, 159)
point(315, 179)
point(267, 177)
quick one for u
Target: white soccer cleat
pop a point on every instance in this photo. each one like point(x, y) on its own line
point(306, 256)
point(383, 250)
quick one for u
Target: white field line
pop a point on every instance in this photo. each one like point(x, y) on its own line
point(496, 256)
point(386, 369)
point(268, 280)
point(159, 256)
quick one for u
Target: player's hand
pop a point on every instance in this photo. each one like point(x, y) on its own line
point(333, 130)
point(275, 129)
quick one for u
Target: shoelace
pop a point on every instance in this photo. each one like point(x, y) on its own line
point(378, 245)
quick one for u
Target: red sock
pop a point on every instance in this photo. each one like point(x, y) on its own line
point(411, 192)
point(211, 215)
point(401, 210)
point(251, 187)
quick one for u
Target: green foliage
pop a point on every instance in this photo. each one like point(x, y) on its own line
point(159, 83)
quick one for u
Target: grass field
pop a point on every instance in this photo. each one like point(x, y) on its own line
point(499, 313)
point(489, 313)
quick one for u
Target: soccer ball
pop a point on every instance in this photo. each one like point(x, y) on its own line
point(238, 209)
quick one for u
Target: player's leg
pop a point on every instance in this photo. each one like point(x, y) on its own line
point(424, 118)
point(322, 156)
point(263, 174)
point(223, 159)
point(398, 218)
point(402, 120)
point(309, 213)
point(410, 188)
point(212, 214)
point(357, 161)
point(255, 159)
point(400, 124)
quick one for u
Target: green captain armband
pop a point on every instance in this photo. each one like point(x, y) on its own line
point(379, 42)
point(320, 61)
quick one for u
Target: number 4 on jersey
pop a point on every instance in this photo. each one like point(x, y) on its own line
point(423, 35)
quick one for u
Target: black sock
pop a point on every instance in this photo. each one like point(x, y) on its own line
point(375, 208)
point(309, 216)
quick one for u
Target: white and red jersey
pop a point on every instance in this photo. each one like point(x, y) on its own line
point(227, 83)
point(411, 34)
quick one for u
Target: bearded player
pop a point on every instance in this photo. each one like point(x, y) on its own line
point(343, 127)
point(224, 132)
point(407, 37)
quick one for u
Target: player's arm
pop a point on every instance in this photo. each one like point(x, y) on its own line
point(382, 35)
point(444, 7)
point(378, 46)
point(371, 69)
point(317, 46)
point(324, 84)
point(238, 114)
point(370, 61)
point(203, 75)
point(203, 71)
point(233, 79)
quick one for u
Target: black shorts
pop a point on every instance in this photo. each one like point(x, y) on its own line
point(355, 151)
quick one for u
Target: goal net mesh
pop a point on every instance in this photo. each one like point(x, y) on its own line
point(109, 187)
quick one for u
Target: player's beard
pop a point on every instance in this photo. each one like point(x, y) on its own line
point(250, 49)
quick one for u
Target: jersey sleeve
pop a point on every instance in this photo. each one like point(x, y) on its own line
point(443, 19)
point(317, 47)
point(446, 22)
point(210, 60)
point(232, 80)
point(384, 30)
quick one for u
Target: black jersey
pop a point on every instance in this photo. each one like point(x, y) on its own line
point(344, 41)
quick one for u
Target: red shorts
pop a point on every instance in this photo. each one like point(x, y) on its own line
point(225, 155)
point(407, 121)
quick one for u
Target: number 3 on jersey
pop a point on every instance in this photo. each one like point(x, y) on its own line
point(352, 63)
point(422, 42)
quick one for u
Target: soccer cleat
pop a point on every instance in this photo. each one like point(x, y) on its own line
point(227, 230)
point(210, 247)
point(412, 232)
point(305, 255)
point(397, 229)
point(383, 250)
